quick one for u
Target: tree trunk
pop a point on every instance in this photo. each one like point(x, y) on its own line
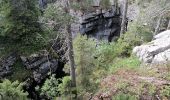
point(70, 50)
point(158, 25)
point(71, 56)
point(123, 24)
point(168, 28)
point(116, 6)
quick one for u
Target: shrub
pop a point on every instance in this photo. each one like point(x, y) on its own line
point(65, 86)
point(12, 91)
point(53, 87)
point(122, 96)
point(126, 43)
point(105, 53)
point(165, 91)
point(144, 32)
point(50, 87)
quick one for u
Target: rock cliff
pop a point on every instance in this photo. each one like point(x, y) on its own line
point(157, 51)
point(104, 25)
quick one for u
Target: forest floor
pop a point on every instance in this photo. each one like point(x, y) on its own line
point(147, 83)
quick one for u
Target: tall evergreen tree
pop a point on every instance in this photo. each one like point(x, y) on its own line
point(20, 27)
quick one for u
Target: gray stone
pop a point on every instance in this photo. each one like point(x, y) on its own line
point(102, 26)
point(37, 63)
point(157, 51)
point(109, 14)
point(6, 65)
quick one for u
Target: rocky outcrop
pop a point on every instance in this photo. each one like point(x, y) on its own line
point(40, 65)
point(98, 24)
point(102, 25)
point(6, 65)
point(42, 4)
point(156, 51)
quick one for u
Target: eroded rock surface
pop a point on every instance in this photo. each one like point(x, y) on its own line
point(6, 65)
point(40, 64)
point(104, 25)
point(157, 51)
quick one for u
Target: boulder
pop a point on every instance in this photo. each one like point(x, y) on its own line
point(157, 51)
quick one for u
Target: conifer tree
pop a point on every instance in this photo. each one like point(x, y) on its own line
point(20, 27)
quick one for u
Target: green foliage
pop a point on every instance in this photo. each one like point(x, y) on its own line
point(83, 5)
point(85, 63)
point(12, 91)
point(165, 91)
point(144, 32)
point(96, 62)
point(53, 87)
point(105, 4)
point(65, 86)
point(126, 43)
point(151, 89)
point(56, 19)
point(127, 63)
point(122, 96)
point(56, 14)
point(50, 87)
point(20, 28)
point(149, 13)
point(105, 54)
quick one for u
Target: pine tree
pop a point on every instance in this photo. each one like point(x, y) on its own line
point(84, 56)
point(21, 29)
point(123, 24)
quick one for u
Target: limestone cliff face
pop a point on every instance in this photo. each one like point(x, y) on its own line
point(101, 25)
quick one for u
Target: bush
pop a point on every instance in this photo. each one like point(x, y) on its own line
point(12, 91)
point(53, 87)
point(122, 96)
point(65, 86)
point(105, 53)
point(50, 87)
point(143, 32)
point(165, 91)
point(126, 43)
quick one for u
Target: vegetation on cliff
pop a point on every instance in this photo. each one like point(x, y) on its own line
point(97, 69)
